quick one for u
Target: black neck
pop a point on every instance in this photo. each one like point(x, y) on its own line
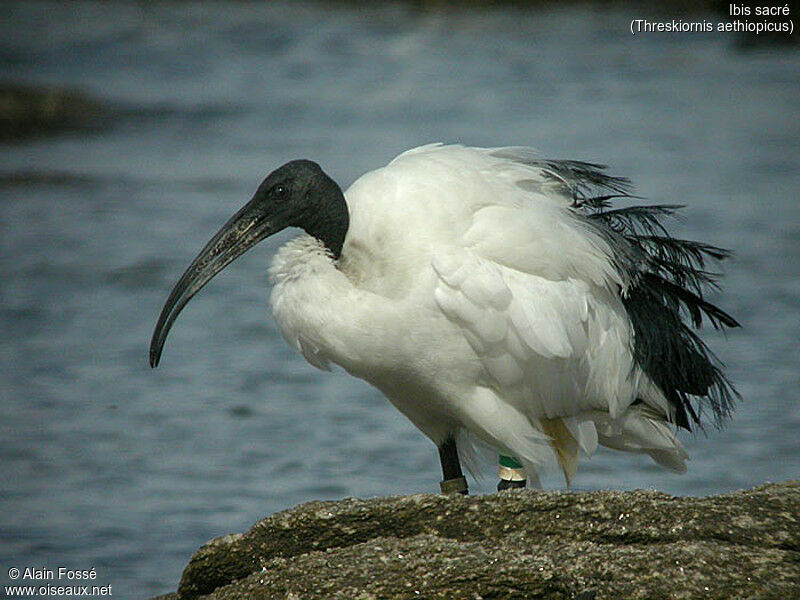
point(326, 216)
point(330, 219)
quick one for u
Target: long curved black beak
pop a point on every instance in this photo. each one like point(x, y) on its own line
point(244, 230)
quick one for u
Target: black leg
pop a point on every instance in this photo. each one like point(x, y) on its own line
point(508, 484)
point(453, 479)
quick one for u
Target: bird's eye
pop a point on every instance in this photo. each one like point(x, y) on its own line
point(279, 190)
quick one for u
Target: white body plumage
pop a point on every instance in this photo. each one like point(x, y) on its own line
point(470, 294)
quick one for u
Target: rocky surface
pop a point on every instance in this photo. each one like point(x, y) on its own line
point(29, 111)
point(515, 544)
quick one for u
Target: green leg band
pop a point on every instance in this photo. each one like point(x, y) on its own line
point(512, 473)
point(510, 462)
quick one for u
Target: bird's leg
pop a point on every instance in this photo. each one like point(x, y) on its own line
point(453, 479)
point(512, 474)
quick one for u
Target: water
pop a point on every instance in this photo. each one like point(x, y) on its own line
point(108, 464)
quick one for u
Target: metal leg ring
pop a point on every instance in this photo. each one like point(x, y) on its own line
point(454, 486)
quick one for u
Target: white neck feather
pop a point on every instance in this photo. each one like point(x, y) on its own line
point(301, 257)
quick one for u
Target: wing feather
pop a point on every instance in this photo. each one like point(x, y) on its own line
point(580, 313)
point(551, 348)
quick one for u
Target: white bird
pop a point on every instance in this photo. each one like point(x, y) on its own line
point(493, 293)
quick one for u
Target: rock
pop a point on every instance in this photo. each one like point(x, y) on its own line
point(515, 544)
point(27, 111)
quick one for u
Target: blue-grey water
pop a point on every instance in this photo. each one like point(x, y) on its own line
point(106, 463)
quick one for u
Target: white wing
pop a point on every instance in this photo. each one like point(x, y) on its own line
point(552, 348)
point(537, 297)
point(529, 284)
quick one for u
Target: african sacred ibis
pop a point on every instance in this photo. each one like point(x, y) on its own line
point(493, 293)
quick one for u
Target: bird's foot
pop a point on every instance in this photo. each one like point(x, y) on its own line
point(510, 484)
point(454, 486)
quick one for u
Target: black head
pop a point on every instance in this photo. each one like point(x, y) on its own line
point(302, 193)
point(298, 194)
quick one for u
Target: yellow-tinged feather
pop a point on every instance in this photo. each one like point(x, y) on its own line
point(564, 445)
